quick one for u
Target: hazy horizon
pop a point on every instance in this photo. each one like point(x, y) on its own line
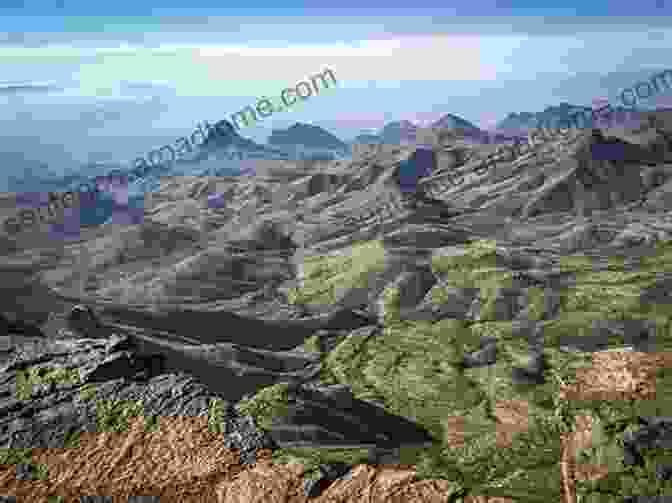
point(111, 83)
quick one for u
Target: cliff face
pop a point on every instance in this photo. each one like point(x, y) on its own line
point(470, 343)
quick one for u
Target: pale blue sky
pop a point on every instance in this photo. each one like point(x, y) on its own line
point(84, 83)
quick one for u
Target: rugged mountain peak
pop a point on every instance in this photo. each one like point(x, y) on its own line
point(450, 121)
point(398, 132)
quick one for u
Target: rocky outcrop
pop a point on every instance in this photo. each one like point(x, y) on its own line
point(55, 389)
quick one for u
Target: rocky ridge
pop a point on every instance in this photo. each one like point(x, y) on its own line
point(318, 315)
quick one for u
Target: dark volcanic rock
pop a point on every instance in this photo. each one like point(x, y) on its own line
point(317, 416)
point(314, 487)
point(664, 472)
point(334, 471)
point(83, 321)
point(242, 434)
point(531, 375)
point(51, 415)
point(328, 474)
point(26, 471)
point(18, 327)
point(4, 325)
point(413, 286)
point(206, 326)
point(656, 432)
point(485, 356)
point(115, 368)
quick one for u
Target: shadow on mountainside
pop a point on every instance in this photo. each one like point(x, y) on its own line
point(210, 327)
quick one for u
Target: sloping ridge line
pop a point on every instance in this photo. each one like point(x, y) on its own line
point(223, 326)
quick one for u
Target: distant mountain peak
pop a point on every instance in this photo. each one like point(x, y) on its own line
point(555, 116)
point(551, 115)
point(451, 121)
point(306, 135)
point(404, 131)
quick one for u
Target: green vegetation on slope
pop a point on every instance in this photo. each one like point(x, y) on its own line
point(27, 380)
point(312, 344)
point(412, 366)
point(113, 415)
point(323, 276)
point(87, 392)
point(474, 266)
point(267, 404)
point(311, 459)
point(216, 409)
point(10, 456)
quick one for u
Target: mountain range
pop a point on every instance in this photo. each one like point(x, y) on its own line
point(299, 141)
point(553, 117)
point(318, 335)
point(235, 155)
point(401, 132)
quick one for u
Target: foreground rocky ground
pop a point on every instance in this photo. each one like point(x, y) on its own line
point(316, 335)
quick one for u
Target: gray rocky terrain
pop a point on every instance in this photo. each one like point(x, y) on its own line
point(321, 308)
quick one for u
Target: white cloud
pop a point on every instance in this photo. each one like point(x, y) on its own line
point(409, 58)
point(457, 67)
point(238, 70)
